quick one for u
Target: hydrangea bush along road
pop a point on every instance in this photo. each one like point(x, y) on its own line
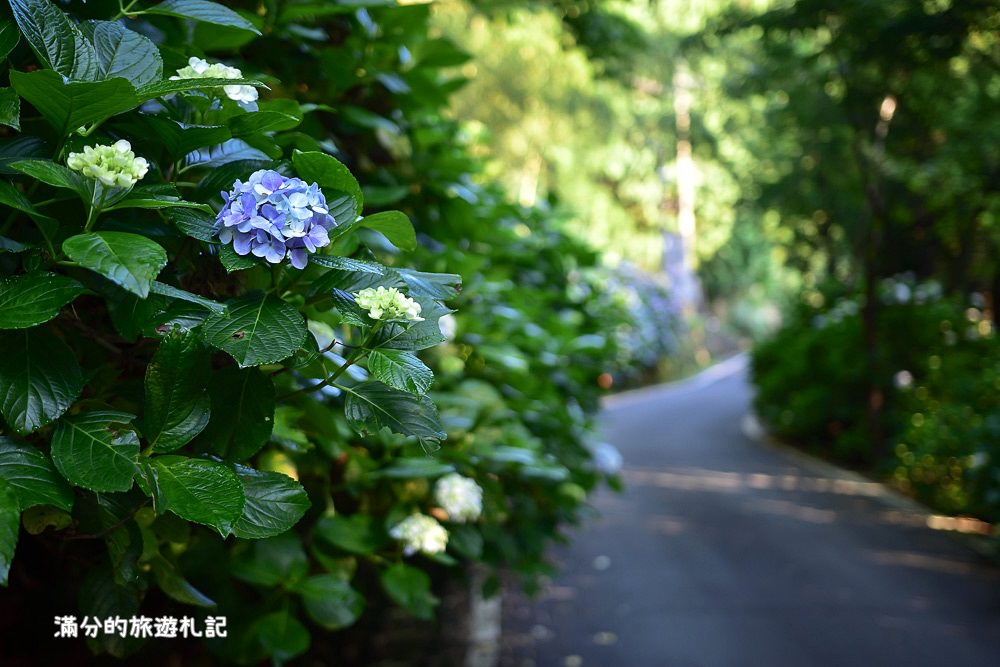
point(225, 387)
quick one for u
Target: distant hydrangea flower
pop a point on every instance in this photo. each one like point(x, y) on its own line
point(388, 304)
point(274, 217)
point(201, 69)
point(460, 497)
point(420, 532)
point(115, 165)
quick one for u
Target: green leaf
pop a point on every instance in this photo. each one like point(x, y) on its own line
point(411, 468)
point(34, 298)
point(9, 36)
point(258, 122)
point(39, 378)
point(281, 635)
point(467, 541)
point(14, 198)
point(410, 587)
point(55, 39)
point(36, 520)
point(421, 285)
point(260, 329)
point(172, 582)
point(224, 153)
point(168, 87)
point(233, 262)
point(371, 406)
point(123, 53)
point(273, 561)
point(53, 174)
point(10, 524)
point(242, 413)
point(69, 106)
point(348, 264)
point(179, 138)
point(330, 601)
point(347, 308)
point(274, 503)
point(395, 226)
point(417, 336)
point(128, 260)
point(400, 370)
point(97, 450)
point(139, 199)
point(101, 596)
point(330, 173)
point(175, 293)
point(177, 403)
point(10, 108)
point(202, 10)
point(199, 490)
point(33, 477)
point(196, 224)
point(356, 534)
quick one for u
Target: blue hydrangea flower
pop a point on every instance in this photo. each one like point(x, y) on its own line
point(274, 217)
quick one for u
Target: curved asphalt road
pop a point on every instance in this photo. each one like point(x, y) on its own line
point(727, 552)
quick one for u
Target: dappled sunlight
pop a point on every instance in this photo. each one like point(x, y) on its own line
point(932, 563)
point(700, 479)
point(793, 510)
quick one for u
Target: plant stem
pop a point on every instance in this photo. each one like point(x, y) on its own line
point(353, 358)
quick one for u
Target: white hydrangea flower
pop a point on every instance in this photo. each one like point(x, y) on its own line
point(420, 532)
point(115, 165)
point(460, 497)
point(202, 69)
point(388, 304)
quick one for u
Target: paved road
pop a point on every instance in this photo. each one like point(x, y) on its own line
point(727, 552)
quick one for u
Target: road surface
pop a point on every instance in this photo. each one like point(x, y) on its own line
point(725, 551)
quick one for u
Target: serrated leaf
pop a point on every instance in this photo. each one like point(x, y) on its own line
point(422, 285)
point(39, 378)
point(123, 53)
point(199, 490)
point(260, 329)
point(234, 262)
point(175, 293)
point(348, 264)
point(345, 306)
point(33, 477)
point(401, 370)
point(171, 87)
point(177, 403)
point(128, 260)
point(356, 534)
point(97, 450)
point(55, 39)
point(393, 225)
point(139, 199)
point(410, 587)
point(258, 122)
point(34, 298)
point(224, 153)
point(330, 173)
point(10, 523)
point(53, 174)
point(202, 10)
point(371, 406)
point(179, 138)
point(10, 108)
point(242, 413)
point(9, 36)
point(418, 335)
point(330, 601)
point(196, 224)
point(274, 503)
point(68, 106)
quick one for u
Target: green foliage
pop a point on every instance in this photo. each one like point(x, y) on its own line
point(190, 427)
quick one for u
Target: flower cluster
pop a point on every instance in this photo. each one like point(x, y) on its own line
point(272, 216)
point(420, 532)
point(201, 69)
point(460, 497)
point(388, 304)
point(115, 165)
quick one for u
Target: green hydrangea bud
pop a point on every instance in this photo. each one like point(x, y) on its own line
point(388, 304)
point(202, 69)
point(115, 165)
